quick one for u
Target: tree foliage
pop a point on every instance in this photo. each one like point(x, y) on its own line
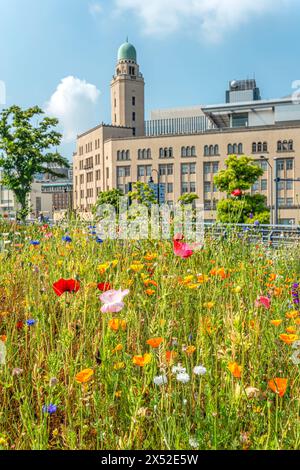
point(26, 144)
point(240, 173)
point(188, 198)
point(110, 197)
point(142, 193)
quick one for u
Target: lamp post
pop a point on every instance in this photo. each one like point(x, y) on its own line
point(158, 181)
point(271, 190)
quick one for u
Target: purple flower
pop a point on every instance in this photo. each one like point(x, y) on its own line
point(251, 216)
point(31, 322)
point(256, 223)
point(113, 300)
point(50, 409)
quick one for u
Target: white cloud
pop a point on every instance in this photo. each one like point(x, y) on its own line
point(95, 8)
point(211, 18)
point(73, 103)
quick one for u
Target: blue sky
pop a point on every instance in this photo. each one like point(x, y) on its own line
point(61, 54)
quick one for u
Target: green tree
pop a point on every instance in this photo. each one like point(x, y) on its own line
point(188, 198)
point(110, 197)
point(26, 144)
point(142, 193)
point(240, 174)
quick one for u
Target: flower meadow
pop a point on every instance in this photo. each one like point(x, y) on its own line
point(147, 344)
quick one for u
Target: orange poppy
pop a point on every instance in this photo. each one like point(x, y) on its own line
point(142, 360)
point(148, 282)
point(150, 291)
point(155, 342)
point(190, 350)
point(276, 322)
point(278, 386)
point(171, 356)
point(288, 339)
point(292, 314)
point(84, 376)
point(291, 329)
point(115, 324)
point(235, 369)
point(118, 348)
point(3, 338)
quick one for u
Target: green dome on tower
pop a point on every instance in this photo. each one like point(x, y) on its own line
point(127, 52)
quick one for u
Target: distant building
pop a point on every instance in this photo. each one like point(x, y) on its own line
point(188, 146)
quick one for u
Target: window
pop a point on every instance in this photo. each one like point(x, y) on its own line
point(141, 171)
point(259, 147)
point(184, 187)
point(264, 185)
point(216, 150)
point(89, 177)
point(193, 151)
point(207, 205)
point(166, 152)
point(211, 150)
point(107, 173)
point(263, 165)
point(289, 201)
point(215, 167)
point(235, 149)
point(240, 149)
point(123, 155)
point(184, 169)
point(149, 154)
point(290, 164)
point(289, 185)
point(166, 169)
point(169, 188)
point(144, 170)
point(281, 201)
point(281, 185)
point(291, 145)
point(207, 187)
point(206, 151)
point(123, 171)
point(133, 117)
point(183, 151)
point(192, 187)
point(254, 147)
point(133, 101)
point(134, 131)
point(98, 175)
point(207, 168)
point(240, 120)
point(285, 146)
point(230, 149)
point(255, 187)
point(279, 146)
point(81, 179)
point(192, 168)
point(265, 147)
point(280, 165)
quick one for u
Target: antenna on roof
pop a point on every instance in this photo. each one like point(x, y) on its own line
point(127, 38)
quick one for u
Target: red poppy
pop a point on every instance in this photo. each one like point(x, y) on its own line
point(236, 193)
point(66, 285)
point(104, 286)
point(19, 325)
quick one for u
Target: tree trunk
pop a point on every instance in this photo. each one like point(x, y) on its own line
point(21, 197)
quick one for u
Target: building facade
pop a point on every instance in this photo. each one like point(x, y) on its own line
point(188, 146)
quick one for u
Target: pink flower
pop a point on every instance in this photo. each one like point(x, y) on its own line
point(49, 235)
point(263, 302)
point(113, 300)
point(181, 249)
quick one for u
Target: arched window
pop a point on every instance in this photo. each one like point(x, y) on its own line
point(259, 147)
point(230, 149)
point(183, 151)
point(279, 146)
point(118, 155)
point(285, 146)
point(123, 155)
point(206, 153)
point(139, 154)
point(291, 145)
point(127, 155)
point(161, 153)
point(166, 153)
point(149, 154)
point(235, 149)
point(265, 147)
point(216, 150)
point(211, 150)
point(254, 147)
point(170, 152)
point(240, 149)
point(144, 154)
point(193, 151)
point(188, 151)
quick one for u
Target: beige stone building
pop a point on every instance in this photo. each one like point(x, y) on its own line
point(185, 148)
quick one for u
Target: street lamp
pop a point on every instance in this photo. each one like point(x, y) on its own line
point(271, 190)
point(151, 181)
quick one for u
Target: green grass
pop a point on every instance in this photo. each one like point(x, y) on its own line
point(122, 408)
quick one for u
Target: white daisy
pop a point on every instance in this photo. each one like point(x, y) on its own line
point(183, 377)
point(178, 369)
point(160, 380)
point(199, 370)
